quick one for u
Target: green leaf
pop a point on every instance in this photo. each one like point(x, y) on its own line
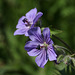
point(70, 69)
point(67, 59)
point(59, 49)
point(54, 32)
point(52, 71)
point(60, 66)
point(73, 60)
point(60, 58)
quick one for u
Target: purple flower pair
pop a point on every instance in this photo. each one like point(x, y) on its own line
point(40, 45)
point(27, 22)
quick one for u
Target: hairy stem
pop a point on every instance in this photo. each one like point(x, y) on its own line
point(63, 43)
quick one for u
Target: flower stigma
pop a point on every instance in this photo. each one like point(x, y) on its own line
point(43, 46)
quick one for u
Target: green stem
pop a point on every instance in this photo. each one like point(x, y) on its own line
point(72, 55)
point(63, 43)
point(72, 67)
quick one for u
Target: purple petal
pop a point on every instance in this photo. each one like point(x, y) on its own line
point(21, 23)
point(39, 14)
point(35, 34)
point(26, 33)
point(31, 45)
point(31, 14)
point(49, 41)
point(41, 59)
point(21, 31)
point(46, 34)
point(51, 54)
point(34, 52)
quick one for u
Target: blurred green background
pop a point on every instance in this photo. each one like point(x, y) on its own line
point(57, 14)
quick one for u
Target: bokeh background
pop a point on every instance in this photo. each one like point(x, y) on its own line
point(57, 14)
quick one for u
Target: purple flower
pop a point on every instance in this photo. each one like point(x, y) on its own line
point(27, 22)
point(40, 46)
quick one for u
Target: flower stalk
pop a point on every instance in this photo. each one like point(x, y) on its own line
point(70, 49)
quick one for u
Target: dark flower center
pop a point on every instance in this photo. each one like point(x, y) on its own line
point(25, 20)
point(38, 47)
point(44, 45)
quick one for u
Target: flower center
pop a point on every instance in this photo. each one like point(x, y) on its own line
point(42, 46)
point(28, 23)
point(45, 44)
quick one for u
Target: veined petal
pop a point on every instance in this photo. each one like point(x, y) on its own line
point(31, 45)
point(39, 14)
point(21, 23)
point(51, 54)
point(35, 34)
point(34, 52)
point(46, 34)
point(41, 59)
point(49, 41)
point(31, 14)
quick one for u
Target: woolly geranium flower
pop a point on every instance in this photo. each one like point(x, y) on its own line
point(27, 22)
point(40, 46)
